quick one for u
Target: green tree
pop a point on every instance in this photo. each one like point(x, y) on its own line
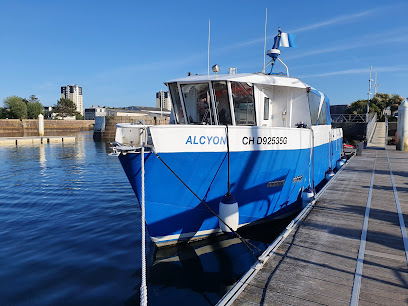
point(3, 113)
point(378, 104)
point(33, 99)
point(383, 101)
point(65, 107)
point(395, 102)
point(34, 109)
point(15, 107)
point(357, 107)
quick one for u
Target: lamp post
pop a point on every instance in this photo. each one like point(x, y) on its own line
point(369, 93)
point(375, 84)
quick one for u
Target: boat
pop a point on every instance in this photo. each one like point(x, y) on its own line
point(263, 138)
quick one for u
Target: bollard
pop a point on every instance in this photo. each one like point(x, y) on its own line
point(402, 127)
point(359, 148)
point(40, 125)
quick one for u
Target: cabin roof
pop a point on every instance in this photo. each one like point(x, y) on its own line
point(254, 78)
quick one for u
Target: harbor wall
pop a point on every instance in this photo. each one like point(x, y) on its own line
point(111, 121)
point(17, 125)
point(352, 131)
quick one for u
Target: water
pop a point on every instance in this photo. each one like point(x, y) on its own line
point(70, 234)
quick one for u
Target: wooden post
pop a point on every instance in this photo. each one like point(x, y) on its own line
point(40, 125)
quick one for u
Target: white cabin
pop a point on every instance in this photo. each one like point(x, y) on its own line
point(252, 99)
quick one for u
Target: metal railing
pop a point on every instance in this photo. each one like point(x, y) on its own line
point(371, 126)
point(349, 118)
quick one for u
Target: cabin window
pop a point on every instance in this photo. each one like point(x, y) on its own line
point(266, 108)
point(244, 106)
point(314, 102)
point(222, 105)
point(323, 116)
point(175, 98)
point(197, 102)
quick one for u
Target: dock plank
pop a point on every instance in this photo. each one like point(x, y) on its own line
point(316, 263)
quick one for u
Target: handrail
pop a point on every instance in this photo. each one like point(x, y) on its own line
point(348, 118)
point(371, 127)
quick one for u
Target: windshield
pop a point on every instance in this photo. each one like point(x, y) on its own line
point(222, 105)
point(197, 102)
point(244, 106)
point(175, 98)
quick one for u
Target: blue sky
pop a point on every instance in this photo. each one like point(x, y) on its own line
point(121, 52)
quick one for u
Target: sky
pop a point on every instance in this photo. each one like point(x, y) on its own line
point(121, 52)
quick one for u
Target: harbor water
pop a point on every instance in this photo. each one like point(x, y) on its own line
point(70, 234)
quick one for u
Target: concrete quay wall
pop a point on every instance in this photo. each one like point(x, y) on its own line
point(17, 125)
point(111, 121)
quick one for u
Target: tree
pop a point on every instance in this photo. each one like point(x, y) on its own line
point(65, 107)
point(33, 99)
point(3, 114)
point(387, 100)
point(357, 107)
point(15, 107)
point(34, 109)
point(378, 104)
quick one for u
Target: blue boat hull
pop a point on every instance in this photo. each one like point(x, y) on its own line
point(265, 183)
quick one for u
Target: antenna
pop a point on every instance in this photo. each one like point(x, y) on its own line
point(266, 19)
point(208, 47)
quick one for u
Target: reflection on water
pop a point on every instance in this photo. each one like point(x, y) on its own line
point(70, 234)
point(68, 225)
point(27, 133)
point(42, 155)
point(201, 272)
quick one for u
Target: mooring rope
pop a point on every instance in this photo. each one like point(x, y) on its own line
point(246, 243)
point(311, 154)
point(228, 153)
point(216, 173)
point(330, 154)
point(143, 286)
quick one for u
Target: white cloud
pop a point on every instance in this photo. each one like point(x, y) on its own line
point(144, 67)
point(336, 20)
point(356, 43)
point(356, 71)
point(328, 22)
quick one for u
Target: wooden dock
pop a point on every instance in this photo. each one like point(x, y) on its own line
point(350, 248)
point(30, 140)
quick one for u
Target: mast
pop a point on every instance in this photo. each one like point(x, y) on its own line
point(266, 18)
point(208, 67)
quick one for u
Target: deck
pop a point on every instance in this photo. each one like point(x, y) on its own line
point(351, 248)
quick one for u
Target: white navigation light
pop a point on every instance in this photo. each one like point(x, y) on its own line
point(215, 68)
